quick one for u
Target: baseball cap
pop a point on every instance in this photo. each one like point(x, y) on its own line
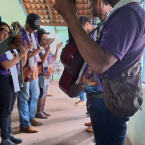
point(34, 21)
point(40, 32)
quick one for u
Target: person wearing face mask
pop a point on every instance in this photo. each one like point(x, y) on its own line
point(9, 84)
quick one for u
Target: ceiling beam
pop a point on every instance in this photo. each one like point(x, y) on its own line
point(36, 9)
point(55, 29)
point(53, 24)
point(24, 7)
point(37, 3)
point(32, 3)
point(53, 19)
point(49, 9)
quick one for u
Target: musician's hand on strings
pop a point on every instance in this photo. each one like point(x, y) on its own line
point(17, 42)
point(58, 46)
point(66, 8)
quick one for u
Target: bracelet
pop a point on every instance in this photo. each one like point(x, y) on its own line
point(42, 48)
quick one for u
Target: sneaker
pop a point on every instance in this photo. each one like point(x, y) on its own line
point(15, 140)
point(81, 103)
point(29, 129)
point(35, 122)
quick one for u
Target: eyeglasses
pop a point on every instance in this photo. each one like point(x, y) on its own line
point(4, 31)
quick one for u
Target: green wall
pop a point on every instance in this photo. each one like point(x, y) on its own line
point(11, 10)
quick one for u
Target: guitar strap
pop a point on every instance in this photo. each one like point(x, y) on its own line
point(13, 71)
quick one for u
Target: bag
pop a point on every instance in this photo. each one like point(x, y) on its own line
point(123, 94)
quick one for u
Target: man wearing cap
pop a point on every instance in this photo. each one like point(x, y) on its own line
point(43, 70)
point(28, 97)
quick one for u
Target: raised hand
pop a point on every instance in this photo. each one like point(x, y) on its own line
point(51, 40)
point(17, 42)
point(66, 8)
point(46, 42)
point(58, 46)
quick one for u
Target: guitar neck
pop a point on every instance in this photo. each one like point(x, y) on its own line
point(5, 44)
point(71, 39)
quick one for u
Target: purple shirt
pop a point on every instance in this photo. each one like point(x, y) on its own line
point(27, 73)
point(25, 37)
point(50, 56)
point(90, 81)
point(49, 61)
point(3, 58)
point(124, 37)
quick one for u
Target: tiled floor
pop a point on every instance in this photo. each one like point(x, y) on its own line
point(65, 126)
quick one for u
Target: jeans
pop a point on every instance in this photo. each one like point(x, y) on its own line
point(43, 87)
point(7, 101)
point(108, 128)
point(27, 102)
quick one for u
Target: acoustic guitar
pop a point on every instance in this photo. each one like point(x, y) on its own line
point(16, 29)
point(72, 61)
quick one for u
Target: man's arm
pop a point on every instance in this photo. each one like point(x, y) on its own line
point(33, 53)
point(10, 63)
point(98, 58)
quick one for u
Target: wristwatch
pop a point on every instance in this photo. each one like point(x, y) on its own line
point(41, 48)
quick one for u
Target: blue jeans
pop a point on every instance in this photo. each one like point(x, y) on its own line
point(43, 87)
point(82, 96)
point(108, 128)
point(27, 102)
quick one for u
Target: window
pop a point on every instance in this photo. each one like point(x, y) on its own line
point(143, 58)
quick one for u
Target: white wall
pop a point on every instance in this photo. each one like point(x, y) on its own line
point(136, 126)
